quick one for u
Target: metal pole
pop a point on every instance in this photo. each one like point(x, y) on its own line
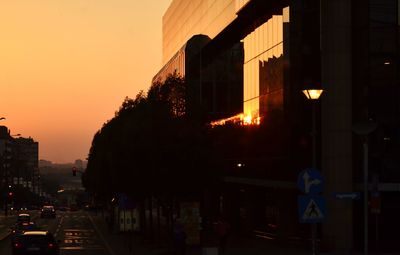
point(314, 165)
point(365, 147)
point(314, 238)
point(314, 134)
point(376, 232)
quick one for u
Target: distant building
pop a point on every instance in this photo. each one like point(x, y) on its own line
point(80, 164)
point(19, 159)
point(26, 155)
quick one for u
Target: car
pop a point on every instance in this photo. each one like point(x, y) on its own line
point(48, 211)
point(20, 228)
point(35, 242)
point(23, 217)
point(22, 208)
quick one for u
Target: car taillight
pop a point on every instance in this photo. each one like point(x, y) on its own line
point(51, 245)
point(17, 245)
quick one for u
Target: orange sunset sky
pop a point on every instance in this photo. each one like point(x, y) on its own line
point(67, 65)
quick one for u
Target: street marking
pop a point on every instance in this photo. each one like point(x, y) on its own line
point(94, 247)
point(78, 230)
point(59, 226)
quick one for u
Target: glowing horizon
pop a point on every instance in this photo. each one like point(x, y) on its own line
point(66, 66)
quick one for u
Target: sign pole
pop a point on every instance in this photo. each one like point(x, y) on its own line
point(311, 205)
point(365, 147)
point(314, 237)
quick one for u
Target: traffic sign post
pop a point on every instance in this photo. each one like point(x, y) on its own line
point(310, 181)
point(347, 195)
point(312, 209)
point(312, 205)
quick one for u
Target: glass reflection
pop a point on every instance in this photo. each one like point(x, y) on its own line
point(183, 19)
point(264, 68)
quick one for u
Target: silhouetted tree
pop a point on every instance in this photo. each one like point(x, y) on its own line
point(151, 147)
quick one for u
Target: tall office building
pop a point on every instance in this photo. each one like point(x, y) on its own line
point(348, 48)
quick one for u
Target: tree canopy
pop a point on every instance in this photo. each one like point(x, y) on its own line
point(151, 146)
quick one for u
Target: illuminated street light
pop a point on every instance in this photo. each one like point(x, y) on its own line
point(2, 118)
point(313, 94)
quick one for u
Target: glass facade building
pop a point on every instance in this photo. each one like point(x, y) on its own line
point(183, 19)
point(278, 55)
point(265, 52)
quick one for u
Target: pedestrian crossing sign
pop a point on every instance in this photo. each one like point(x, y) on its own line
point(311, 209)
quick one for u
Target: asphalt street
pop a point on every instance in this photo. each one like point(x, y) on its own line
point(76, 233)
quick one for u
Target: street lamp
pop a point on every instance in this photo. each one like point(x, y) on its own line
point(313, 95)
point(363, 129)
point(2, 118)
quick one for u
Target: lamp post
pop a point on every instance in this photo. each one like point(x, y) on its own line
point(313, 95)
point(363, 129)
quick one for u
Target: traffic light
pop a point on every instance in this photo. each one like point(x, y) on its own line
point(10, 194)
point(74, 171)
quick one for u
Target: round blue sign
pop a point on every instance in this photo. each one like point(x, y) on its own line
point(310, 181)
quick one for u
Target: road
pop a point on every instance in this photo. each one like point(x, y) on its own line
point(76, 233)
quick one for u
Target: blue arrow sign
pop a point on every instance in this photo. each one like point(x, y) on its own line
point(311, 209)
point(347, 195)
point(310, 181)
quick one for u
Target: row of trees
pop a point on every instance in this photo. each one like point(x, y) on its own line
point(152, 147)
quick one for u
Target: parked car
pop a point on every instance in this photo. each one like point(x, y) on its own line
point(35, 242)
point(48, 211)
point(23, 217)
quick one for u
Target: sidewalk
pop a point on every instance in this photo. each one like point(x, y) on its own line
point(124, 244)
point(5, 225)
